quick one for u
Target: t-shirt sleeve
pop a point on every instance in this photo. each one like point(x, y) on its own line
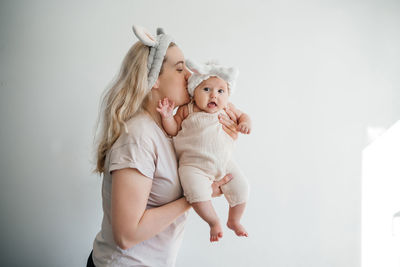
point(136, 155)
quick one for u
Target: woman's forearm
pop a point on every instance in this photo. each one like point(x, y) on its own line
point(131, 222)
point(154, 221)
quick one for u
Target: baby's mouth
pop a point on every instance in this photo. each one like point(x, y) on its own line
point(212, 105)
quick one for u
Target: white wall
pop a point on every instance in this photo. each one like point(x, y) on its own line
point(314, 75)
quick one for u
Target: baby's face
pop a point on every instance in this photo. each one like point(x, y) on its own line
point(212, 95)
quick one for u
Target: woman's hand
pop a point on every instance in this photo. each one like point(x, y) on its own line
point(216, 186)
point(229, 124)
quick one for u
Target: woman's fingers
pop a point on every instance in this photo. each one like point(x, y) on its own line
point(216, 190)
point(231, 115)
point(216, 186)
point(230, 132)
point(225, 180)
point(225, 120)
point(229, 126)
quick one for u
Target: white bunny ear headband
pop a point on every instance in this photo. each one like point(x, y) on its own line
point(159, 46)
point(210, 69)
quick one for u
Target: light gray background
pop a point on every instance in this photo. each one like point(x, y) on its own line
point(314, 75)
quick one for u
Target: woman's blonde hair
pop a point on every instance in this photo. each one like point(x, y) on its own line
point(127, 95)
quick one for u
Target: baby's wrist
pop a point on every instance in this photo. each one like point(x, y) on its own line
point(168, 117)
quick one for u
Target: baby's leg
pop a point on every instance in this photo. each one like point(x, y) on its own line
point(236, 192)
point(206, 211)
point(235, 214)
point(197, 190)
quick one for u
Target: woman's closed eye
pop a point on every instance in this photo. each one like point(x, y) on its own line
point(179, 67)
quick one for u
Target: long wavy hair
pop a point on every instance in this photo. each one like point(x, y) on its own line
point(127, 95)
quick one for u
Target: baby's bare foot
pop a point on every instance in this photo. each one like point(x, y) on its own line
point(215, 232)
point(237, 228)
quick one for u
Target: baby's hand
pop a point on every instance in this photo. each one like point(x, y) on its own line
point(165, 108)
point(244, 128)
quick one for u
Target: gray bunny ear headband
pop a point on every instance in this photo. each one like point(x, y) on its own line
point(158, 48)
point(210, 69)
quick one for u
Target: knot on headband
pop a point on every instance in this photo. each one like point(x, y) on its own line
point(210, 69)
point(158, 48)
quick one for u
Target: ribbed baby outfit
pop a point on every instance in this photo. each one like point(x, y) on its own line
point(204, 152)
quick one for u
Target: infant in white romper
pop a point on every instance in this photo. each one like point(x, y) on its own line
point(204, 148)
point(204, 152)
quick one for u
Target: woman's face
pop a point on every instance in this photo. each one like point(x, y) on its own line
point(173, 79)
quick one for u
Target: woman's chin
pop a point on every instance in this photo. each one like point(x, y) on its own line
point(181, 102)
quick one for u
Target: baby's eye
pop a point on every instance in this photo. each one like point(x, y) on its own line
point(179, 70)
point(206, 89)
point(221, 91)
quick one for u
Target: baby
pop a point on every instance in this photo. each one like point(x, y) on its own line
point(204, 149)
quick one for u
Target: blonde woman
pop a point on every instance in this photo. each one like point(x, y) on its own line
point(144, 208)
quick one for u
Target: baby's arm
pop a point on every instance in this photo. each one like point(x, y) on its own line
point(243, 120)
point(171, 123)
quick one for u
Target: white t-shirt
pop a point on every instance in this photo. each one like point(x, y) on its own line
point(148, 149)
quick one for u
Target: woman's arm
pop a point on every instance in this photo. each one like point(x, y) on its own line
point(131, 222)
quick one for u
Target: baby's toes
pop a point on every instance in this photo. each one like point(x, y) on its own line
point(213, 238)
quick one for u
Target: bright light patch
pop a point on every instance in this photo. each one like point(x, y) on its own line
point(380, 221)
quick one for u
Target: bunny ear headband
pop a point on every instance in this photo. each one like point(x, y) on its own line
point(158, 48)
point(210, 69)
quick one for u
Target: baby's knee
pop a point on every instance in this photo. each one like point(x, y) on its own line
point(196, 185)
point(236, 191)
point(238, 184)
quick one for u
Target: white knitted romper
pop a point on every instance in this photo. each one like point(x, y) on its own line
point(204, 152)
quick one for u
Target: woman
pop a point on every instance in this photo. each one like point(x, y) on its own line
point(144, 211)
